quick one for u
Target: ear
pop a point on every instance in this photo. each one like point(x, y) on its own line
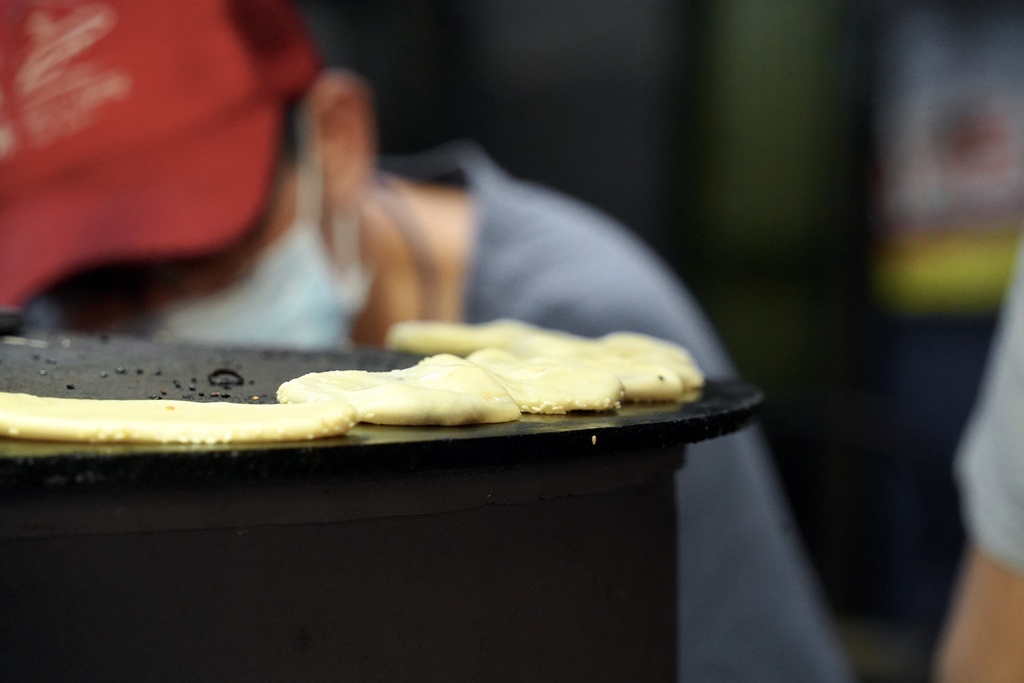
point(344, 128)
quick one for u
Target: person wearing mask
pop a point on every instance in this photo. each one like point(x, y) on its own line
point(189, 171)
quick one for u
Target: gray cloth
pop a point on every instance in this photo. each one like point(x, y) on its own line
point(750, 608)
point(990, 461)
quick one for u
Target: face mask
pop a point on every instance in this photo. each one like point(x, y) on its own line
point(296, 296)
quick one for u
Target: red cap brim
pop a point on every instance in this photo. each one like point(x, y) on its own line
point(194, 196)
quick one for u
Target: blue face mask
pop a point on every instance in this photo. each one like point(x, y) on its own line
point(293, 297)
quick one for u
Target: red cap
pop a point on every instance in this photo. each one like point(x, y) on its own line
point(134, 130)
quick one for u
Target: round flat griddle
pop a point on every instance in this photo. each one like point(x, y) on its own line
point(112, 367)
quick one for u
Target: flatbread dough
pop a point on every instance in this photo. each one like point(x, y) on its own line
point(427, 338)
point(24, 416)
point(646, 348)
point(649, 369)
point(551, 386)
point(513, 368)
point(440, 390)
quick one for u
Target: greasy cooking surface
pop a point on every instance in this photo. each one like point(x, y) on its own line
point(81, 366)
point(116, 367)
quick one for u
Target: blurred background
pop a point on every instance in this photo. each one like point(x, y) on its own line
point(841, 184)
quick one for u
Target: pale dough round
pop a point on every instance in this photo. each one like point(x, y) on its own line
point(427, 338)
point(651, 349)
point(551, 386)
point(24, 416)
point(440, 390)
point(650, 369)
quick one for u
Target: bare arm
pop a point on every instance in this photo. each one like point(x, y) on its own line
point(984, 639)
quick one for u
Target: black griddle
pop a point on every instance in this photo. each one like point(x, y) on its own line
point(539, 550)
point(120, 367)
